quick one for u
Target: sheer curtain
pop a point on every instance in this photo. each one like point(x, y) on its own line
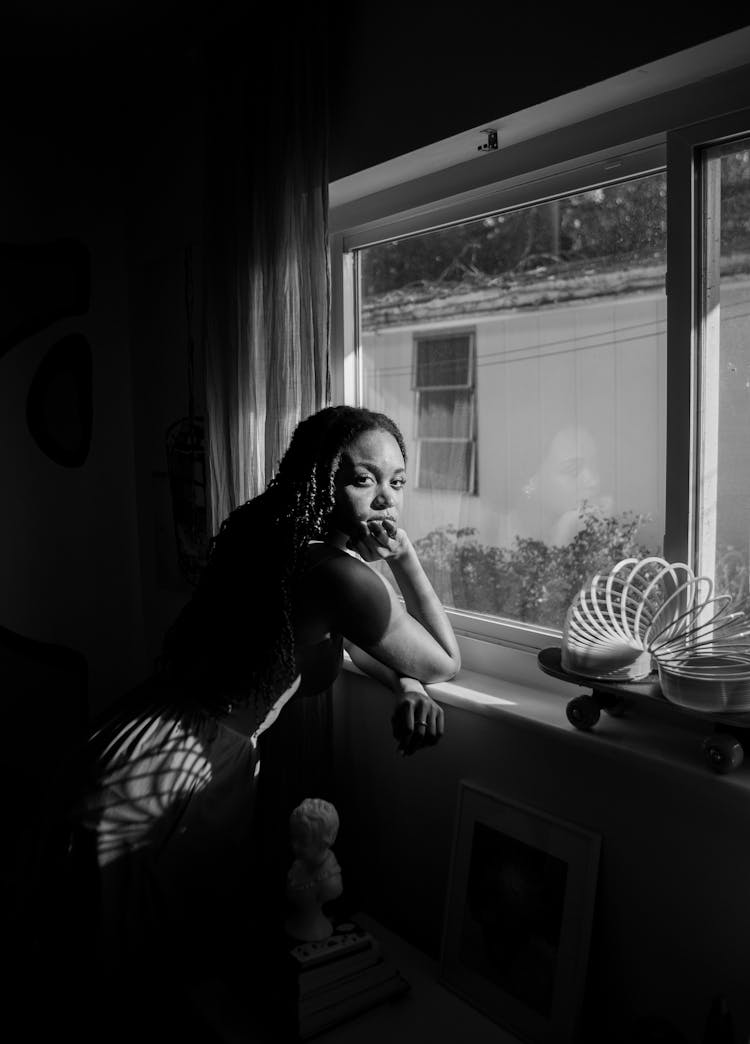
point(266, 280)
point(266, 265)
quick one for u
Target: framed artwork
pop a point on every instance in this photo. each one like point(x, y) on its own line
point(518, 915)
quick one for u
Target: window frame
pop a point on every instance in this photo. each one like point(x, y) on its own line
point(691, 352)
point(454, 196)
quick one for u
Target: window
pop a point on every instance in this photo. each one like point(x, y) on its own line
point(569, 341)
point(444, 384)
point(565, 411)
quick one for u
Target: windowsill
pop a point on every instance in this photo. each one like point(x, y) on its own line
point(658, 732)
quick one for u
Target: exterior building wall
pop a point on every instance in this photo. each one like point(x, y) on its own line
point(597, 367)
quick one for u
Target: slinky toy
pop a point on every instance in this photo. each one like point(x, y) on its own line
point(652, 615)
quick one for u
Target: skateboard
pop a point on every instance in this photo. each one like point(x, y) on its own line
point(722, 749)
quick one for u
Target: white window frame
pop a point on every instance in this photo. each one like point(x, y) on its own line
point(693, 344)
point(469, 385)
point(649, 135)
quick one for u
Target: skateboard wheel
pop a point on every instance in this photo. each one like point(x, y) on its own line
point(583, 712)
point(723, 753)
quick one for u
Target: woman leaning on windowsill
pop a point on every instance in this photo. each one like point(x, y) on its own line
point(161, 829)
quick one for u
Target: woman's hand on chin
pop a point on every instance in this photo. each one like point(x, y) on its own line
point(378, 540)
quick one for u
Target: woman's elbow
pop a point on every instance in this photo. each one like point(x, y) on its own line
point(454, 666)
point(446, 670)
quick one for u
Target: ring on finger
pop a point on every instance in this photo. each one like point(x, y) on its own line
point(422, 724)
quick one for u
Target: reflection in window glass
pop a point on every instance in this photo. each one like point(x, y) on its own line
point(523, 355)
point(724, 530)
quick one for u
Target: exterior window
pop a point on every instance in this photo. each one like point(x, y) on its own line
point(561, 380)
point(444, 384)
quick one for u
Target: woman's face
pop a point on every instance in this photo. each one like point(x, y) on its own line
point(369, 482)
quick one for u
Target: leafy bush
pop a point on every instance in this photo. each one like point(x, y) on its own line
point(530, 581)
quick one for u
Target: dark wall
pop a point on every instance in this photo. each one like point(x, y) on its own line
point(99, 146)
point(69, 566)
point(401, 75)
point(671, 922)
point(406, 75)
point(164, 234)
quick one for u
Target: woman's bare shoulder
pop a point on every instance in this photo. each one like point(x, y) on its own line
point(353, 596)
point(322, 554)
point(318, 551)
point(343, 566)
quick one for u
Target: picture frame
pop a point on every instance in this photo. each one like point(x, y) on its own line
point(518, 915)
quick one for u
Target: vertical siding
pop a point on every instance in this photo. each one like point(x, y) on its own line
point(594, 370)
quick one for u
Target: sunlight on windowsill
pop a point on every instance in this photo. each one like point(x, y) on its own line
point(652, 731)
point(490, 694)
point(454, 689)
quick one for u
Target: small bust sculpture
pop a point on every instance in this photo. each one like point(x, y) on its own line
point(314, 877)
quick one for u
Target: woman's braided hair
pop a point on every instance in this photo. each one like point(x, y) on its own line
point(234, 641)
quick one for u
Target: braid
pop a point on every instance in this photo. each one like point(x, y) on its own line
point(236, 634)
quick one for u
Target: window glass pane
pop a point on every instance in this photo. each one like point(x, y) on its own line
point(445, 413)
point(725, 529)
point(443, 361)
point(567, 306)
point(445, 465)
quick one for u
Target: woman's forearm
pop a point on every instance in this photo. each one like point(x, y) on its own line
point(421, 601)
point(397, 684)
point(408, 648)
point(417, 720)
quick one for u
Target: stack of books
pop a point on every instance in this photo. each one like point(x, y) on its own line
point(340, 977)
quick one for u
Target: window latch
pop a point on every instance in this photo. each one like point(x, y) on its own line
point(491, 144)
